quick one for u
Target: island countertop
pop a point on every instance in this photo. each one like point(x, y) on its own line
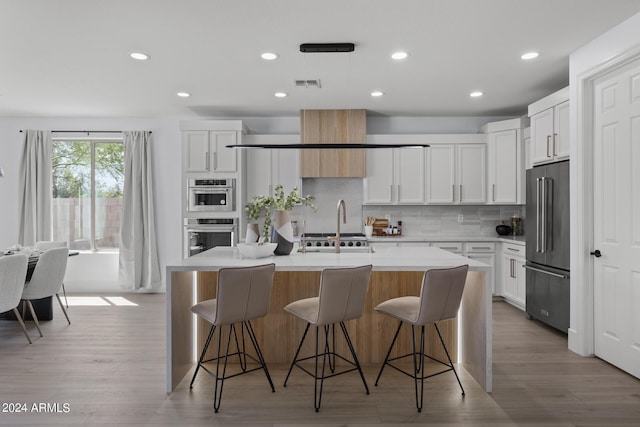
point(397, 271)
point(391, 259)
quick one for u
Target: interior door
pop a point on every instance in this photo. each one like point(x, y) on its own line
point(616, 206)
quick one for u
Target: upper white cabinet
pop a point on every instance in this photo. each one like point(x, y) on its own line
point(550, 128)
point(456, 173)
point(268, 168)
point(505, 165)
point(395, 176)
point(206, 151)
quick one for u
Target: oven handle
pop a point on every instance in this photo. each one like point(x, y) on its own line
point(216, 228)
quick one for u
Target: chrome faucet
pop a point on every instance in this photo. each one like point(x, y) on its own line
point(336, 239)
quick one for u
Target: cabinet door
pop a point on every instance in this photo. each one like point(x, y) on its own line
point(224, 159)
point(561, 134)
point(509, 279)
point(504, 167)
point(378, 182)
point(195, 151)
point(521, 281)
point(541, 135)
point(471, 166)
point(489, 259)
point(441, 174)
point(285, 169)
point(258, 173)
point(409, 172)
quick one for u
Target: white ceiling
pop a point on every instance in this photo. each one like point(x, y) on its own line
point(71, 57)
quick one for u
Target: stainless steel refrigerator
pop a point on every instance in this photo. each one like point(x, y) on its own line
point(547, 238)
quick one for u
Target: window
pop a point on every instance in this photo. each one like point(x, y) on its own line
point(88, 179)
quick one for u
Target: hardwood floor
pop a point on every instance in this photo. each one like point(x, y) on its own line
point(108, 367)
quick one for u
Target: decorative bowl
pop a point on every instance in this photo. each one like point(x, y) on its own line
point(255, 250)
point(504, 229)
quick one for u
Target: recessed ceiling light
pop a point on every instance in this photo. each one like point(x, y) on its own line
point(399, 55)
point(280, 94)
point(377, 93)
point(476, 94)
point(139, 56)
point(529, 55)
point(269, 56)
point(183, 94)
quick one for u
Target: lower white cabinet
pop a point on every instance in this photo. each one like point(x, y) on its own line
point(514, 275)
point(484, 252)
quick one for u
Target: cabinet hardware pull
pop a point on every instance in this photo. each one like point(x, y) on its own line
point(207, 161)
point(494, 192)
point(511, 268)
point(391, 193)
point(453, 193)
point(555, 136)
point(460, 195)
point(514, 250)
point(398, 193)
point(215, 160)
point(480, 247)
point(548, 141)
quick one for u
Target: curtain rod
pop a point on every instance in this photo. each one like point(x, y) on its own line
point(85, 131)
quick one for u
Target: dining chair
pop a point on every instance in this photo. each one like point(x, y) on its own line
point(440, 297)
point(242, 295)
point(13, 270)
point(342, 295)
point(43, 245)
point(47, 280)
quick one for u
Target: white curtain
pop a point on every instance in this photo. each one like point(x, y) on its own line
point(35, 188)
point(139, 267)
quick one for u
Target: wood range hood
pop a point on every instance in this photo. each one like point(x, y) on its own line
point(333, 127)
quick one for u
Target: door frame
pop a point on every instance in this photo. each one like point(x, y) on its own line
point(582, 329)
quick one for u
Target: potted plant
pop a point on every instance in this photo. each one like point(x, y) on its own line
point(282, 232)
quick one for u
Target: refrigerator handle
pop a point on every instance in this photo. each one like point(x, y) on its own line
point(543, 239)
point(549, 219)
point(538, 214)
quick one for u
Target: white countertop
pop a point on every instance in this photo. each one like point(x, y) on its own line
point(507, 239)
point(392, 259)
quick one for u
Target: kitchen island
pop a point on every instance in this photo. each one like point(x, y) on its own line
point(396, 272)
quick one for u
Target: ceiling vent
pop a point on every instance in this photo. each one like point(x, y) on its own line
point(327, 47)
point(307, 83)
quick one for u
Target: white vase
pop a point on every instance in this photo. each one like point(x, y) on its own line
point(253, 233)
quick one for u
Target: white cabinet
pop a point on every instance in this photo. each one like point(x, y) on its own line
point(268, 168)
point(483, 252)
point(550, 128)
point(205, 152)
point(456, 173)
point(514, 274)
point(394, 176)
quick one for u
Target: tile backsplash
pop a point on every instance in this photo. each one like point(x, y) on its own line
point(417, 221)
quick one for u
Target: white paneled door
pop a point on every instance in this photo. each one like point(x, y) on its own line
point(617, 217)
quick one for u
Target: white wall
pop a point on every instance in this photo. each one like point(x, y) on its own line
point(592, 58)
point(99, 273)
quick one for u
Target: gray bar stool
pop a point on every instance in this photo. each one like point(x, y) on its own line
point(439, 299)
point(342, 295)
point(242, 294)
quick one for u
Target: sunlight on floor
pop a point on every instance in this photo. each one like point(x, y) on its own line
point(100, 301)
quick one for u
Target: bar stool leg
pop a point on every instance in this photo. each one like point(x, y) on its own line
point(217, 394)
point(295, 358)
point(353, 354)
point(450, 362)
point(317, 393)
point(256, 347)
point(418, 368)
point(204, 350)
point(242, 355)
point(386, 359)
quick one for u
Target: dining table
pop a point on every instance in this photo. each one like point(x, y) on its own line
point(43, 307)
